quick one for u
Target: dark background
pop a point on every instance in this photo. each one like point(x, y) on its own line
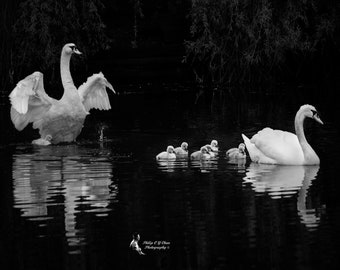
point(140, 46)
point(253, 45)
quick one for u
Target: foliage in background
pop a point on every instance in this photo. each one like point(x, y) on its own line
point(44, 26)
point(137, 14)
point(248, 41)
point(7, 11)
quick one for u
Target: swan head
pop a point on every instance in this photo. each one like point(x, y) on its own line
point(71, 48)
point(311, 112)
point(214, 143)
point(170, 149)
point(184, 146)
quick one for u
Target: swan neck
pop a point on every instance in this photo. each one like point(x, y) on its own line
point(299, 120)
point(310, 157)
point(65, 73)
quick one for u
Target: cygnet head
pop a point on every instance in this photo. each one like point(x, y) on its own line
point(184, 146)
point(71, 48)
point(170, 149)
point(208, 146)
point(311, 112)
point(214, 143)
point(242, 147)
point(204, 150)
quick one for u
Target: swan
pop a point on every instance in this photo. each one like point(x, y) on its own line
point(182, 150)
point(201, 154)
point(60, 120)
point(168, 154)
point(281, 147)
point(237, 153)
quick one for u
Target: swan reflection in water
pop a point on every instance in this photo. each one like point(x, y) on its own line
point(77, 177)
point(281, 181)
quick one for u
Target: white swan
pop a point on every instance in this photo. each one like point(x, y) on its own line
point(182, 150)
point(168, 154)
point(61, 120)
point(281, 147)
point(237, 153)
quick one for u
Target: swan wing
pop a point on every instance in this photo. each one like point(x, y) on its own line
point(256, 154)
point(93, 92)
point(278, 145)
point(29, 101)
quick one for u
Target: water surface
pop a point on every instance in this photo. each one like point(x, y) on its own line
point(75, 206)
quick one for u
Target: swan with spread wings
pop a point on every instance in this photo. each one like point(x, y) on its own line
point(58, 120)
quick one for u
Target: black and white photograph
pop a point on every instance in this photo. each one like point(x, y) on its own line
point(169, 134)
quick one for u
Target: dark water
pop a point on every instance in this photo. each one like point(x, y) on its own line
point(75, 206)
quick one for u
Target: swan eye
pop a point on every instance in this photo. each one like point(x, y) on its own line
point(73, 47)
point(315, 113)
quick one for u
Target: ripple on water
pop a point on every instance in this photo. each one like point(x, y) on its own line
point(184, 164)
point(73, 177)
point(280, 181)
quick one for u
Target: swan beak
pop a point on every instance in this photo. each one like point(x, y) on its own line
point(77, 51)
point(317, 119)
